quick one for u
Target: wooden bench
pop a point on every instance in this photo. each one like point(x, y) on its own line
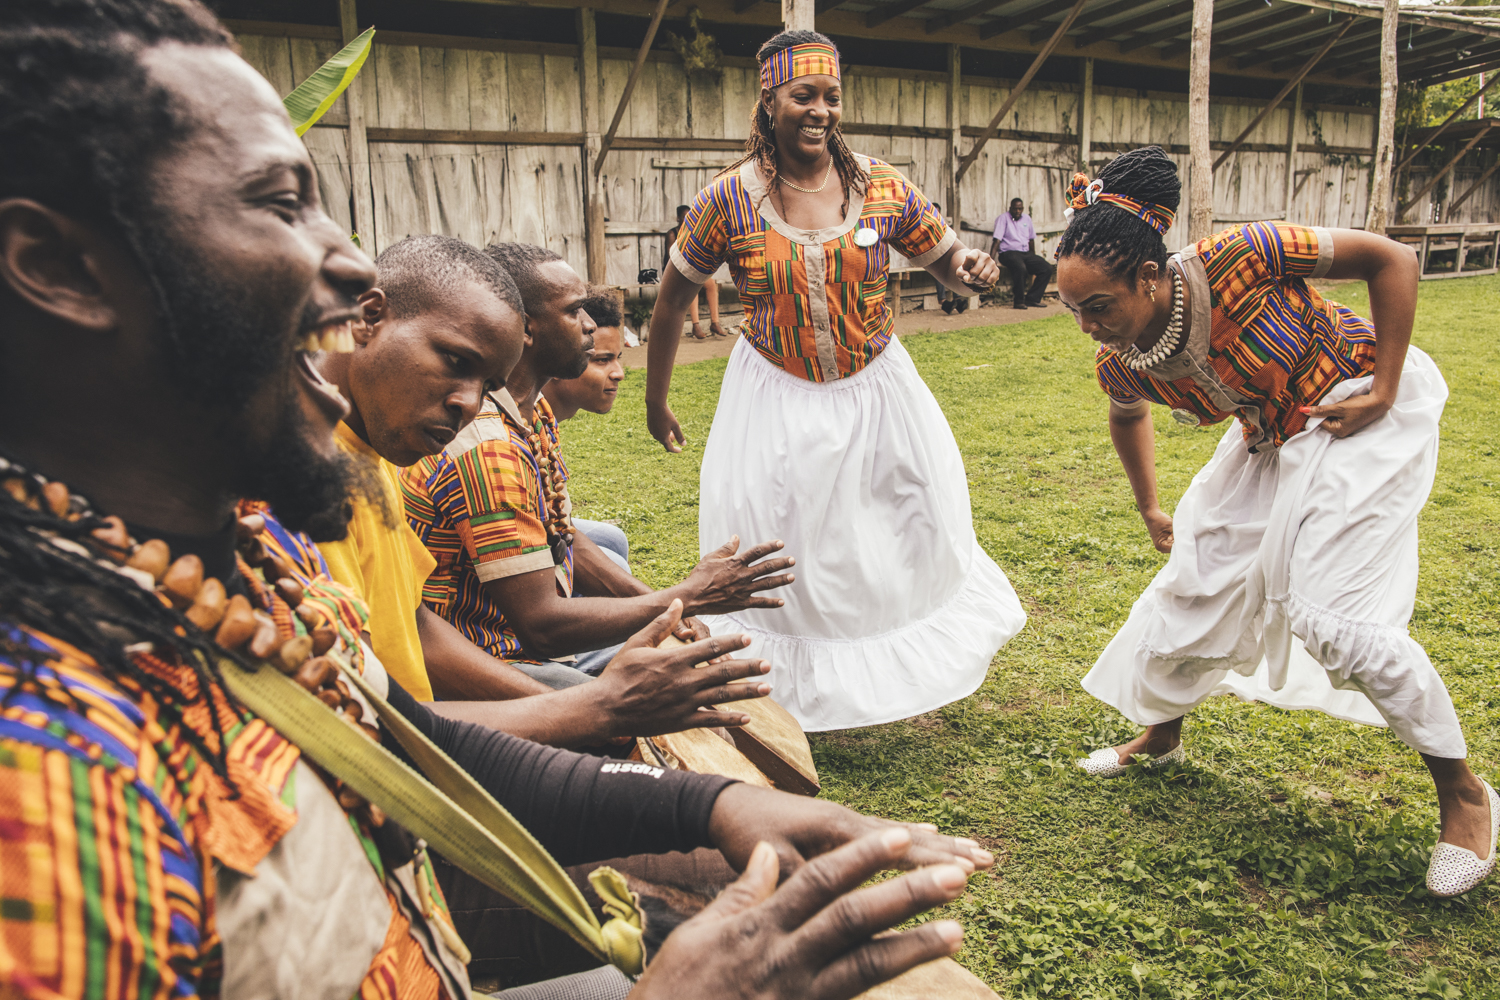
point(1463, 240)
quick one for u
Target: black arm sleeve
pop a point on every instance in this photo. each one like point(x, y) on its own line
point(580, 808)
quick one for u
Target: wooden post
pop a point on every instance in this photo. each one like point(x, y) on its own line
point(588, 102)
point(1294, 82)
point(635, 74)
point(360, 189)
point(955, 135)
point(1201, 165)
point(1378, 217)
point(1086, 115)
point(1020, 87)
point(798, 15)
point(1291, 152)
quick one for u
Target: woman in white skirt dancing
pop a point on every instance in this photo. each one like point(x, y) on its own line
point(1293, 566)
point(825, 436)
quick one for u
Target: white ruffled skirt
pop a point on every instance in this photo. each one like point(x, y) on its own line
point(896, 609)
point(1292, 578)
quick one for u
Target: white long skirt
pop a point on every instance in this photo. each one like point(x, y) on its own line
point(1292, 578)
point(896, 609)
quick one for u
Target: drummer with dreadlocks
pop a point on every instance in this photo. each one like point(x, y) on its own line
point(1293, 553)
point(825, 435)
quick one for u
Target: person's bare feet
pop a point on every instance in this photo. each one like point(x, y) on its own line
point(1463, 806)
point(1155, 741)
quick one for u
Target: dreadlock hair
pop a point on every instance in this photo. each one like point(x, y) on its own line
point(761, 146)
point(1118, 241)
point(80, 122)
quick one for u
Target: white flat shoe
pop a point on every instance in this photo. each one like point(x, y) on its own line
point(1455, 870)
point(1105, 763)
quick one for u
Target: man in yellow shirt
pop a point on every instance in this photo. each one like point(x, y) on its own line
point(443, 328)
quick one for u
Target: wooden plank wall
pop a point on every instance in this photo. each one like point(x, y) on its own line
point(487, 192)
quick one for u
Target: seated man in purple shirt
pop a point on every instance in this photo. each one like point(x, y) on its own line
point(1015, 250)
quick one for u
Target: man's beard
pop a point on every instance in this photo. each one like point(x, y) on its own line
point(224, 345)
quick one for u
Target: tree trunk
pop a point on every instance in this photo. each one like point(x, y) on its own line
point(1379, 215)
point(797, 15)
point(1201, 178)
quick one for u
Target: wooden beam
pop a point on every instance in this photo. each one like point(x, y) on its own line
point(1269, 32)
point(1292, 55)
point(1086, 114)
point(1360, 51)
point(1291, 153)
point(361, 190)
point(1421, 20)
point(954, 201)
point(635, 74)
point(1447, 169)
point(949, 18)
point(885, 12)
point(588, 107)
point(1378, 216)
point(1291, 85)
point(822, 6)
point(1019, 88)
point(1001, 25)
point(1201, 176)
point(662, 142)
point(1463, 74)
point(475, 137)
point(1451, 57)
point(1431, 137)
point(740, 6)
point(1225, 20)
point(1133, 24)
point(1090, 24)
point(1453, 205)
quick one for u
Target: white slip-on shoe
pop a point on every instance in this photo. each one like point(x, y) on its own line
point(1105, 763)
point(1455, 870)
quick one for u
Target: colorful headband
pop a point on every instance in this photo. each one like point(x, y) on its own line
point(807, 59)
point(1083, 192)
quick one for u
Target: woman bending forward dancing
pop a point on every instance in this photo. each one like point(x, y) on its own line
point(825, 436)
point(1302, 528)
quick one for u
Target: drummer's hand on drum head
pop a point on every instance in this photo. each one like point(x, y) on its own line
point(814, 938)
point(649, 691)
point(727, 579)
point(662, 423)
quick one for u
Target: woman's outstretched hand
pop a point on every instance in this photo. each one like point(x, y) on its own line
point(662, 423)
point(1159, 523)
point(815, 937)
point(1353, 414)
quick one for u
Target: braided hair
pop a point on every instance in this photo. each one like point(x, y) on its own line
point(760, 148)
point(1118, 241)
point(81, 122)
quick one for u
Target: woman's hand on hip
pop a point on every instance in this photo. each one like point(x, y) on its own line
point(662, 423)
point(1159, 524)
point(1353, 414)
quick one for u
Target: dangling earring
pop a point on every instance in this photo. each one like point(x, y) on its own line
point(1152, 293)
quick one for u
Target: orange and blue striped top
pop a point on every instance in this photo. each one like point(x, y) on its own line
point(815, 299)
point(1272, 344)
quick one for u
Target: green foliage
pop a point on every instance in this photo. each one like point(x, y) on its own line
point(315, 95)
point(1285, 860)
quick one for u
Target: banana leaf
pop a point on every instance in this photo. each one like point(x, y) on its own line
point(315, 95)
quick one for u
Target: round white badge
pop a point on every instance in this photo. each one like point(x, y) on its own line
point(866, 237)
point(1185, 417)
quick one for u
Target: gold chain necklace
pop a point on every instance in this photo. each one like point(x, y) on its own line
point(817, 190)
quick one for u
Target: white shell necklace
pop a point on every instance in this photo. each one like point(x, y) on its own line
point(1167, 342)
point(817, 190)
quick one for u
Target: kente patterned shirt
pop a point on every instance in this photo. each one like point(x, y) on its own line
point(478, 508)
point(816, 303)
point(1262, 342)
point(112, 827)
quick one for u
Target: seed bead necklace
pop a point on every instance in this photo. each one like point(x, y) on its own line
point(554, 492)
point(1167, 342)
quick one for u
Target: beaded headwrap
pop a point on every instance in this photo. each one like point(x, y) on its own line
point(1083, 192)
point(807, 59)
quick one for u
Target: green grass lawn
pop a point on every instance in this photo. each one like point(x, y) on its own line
point(1287, 859)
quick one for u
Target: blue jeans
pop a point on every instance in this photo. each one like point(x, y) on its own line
point(616, 547)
